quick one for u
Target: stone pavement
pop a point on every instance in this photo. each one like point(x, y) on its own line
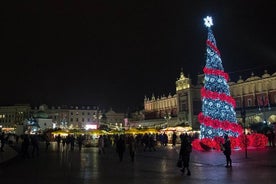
point(155, 167)
point(8, 154)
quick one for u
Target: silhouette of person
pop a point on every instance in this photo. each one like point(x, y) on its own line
point(174, 136)
point(25, 146)
point(184, 154)
point(131, 147)
point(34, 142)
point(3, 141)
point(101, 144)
point(227, 151)
point(120, 147)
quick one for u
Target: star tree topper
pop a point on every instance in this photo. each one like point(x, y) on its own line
point(208, 21)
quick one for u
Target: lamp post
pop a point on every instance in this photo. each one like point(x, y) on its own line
point(243, 115)
point(263, 102)
point(99, 117)
point(167, 117)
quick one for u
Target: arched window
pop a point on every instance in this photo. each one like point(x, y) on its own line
point(249, 102)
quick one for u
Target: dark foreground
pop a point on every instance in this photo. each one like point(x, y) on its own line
point(155, 167)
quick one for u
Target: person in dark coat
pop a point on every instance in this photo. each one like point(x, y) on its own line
point(25, 146)
point(3, 141)
point(226, 148)
point(120, 147)
point(80, 140)
point(174, 137)
point(184, 154)
point(47, 142)
point(35, 145)
point(131, 147)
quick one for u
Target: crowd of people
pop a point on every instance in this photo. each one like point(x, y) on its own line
point(30, 145)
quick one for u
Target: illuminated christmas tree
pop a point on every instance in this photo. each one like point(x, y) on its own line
point(218, 116)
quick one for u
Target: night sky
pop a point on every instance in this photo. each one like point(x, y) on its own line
point(111, 53)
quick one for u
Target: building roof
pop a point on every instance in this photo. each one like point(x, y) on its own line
point(41, 114)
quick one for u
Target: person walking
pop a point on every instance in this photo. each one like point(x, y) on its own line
point(34, 143)
point(25, 146)
point(132, 147)
point(58, 139)
point(226, 148)
point(3, 141)
point(184, 154)
point(120, 147)
point(174, 137)
point(101, 144)
point(271, 138)
point(80, 140)
point(47, 142)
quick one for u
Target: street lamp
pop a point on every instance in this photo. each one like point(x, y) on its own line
point(243, 115)
point(167, 117)
point(263, 102)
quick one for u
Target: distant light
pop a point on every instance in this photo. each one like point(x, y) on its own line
point(93, 127)
point(208, 21)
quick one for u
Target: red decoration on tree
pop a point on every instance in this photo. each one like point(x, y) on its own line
point(209, 43)
point(211, 71)
point(254, 140)
point(209, 94)
point(214, 123)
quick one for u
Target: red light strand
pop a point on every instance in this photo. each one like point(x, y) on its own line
point(210, 44)
point(211, 71)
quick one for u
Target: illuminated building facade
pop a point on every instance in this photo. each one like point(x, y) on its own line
point(114, 120)
point(10, 116)
point(72, 116)
point(181, 108)
point(258, 94)
point(80, 117)
point(61, 116)
point(160, 107)
point(189, 102)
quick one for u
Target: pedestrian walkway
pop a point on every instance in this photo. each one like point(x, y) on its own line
point(151, 167)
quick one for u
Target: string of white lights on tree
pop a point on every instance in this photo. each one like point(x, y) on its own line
point(218, 116)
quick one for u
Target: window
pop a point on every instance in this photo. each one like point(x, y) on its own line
point(249, 102)
point(238, 103)
point(71, 119)
point(82, 119)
